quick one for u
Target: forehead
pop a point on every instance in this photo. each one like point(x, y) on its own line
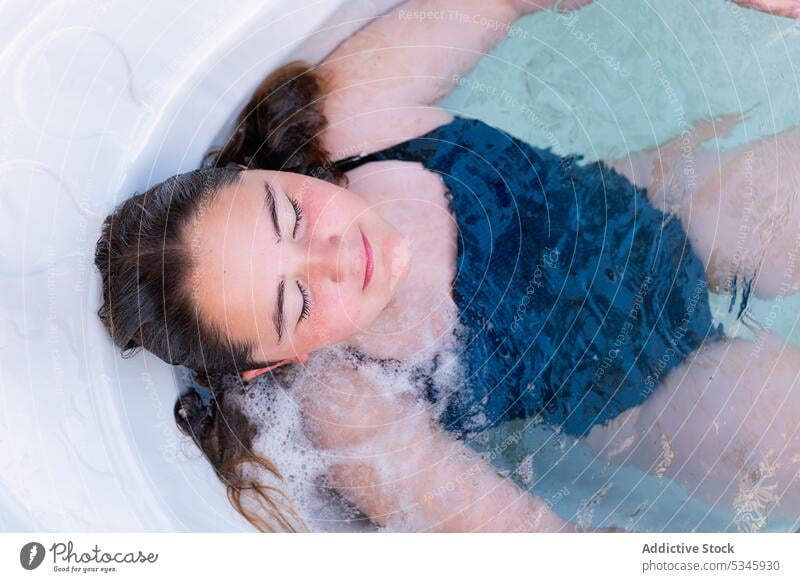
point(234, 260)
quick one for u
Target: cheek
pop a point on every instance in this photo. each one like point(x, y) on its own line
point(336, 315)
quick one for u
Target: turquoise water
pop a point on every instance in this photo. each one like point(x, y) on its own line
point(612, 78)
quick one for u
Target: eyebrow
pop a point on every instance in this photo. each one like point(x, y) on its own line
point(269, 199)
point(277, 319)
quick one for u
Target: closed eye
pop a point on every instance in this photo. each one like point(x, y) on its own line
point(304, 313)
point(298, 211)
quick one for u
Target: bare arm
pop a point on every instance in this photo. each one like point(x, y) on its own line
point(429, 481)
point(403, 471)
point(380, 84)
point(790, 8)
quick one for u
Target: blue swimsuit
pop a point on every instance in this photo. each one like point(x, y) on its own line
point(576, 295)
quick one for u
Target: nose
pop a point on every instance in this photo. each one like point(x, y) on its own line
point(324, 258)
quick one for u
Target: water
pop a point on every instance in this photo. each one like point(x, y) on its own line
point(616, 77)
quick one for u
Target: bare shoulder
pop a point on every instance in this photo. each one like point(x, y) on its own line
point(343, 405)
point(385, 181)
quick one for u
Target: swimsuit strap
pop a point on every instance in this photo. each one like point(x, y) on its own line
point(410, 149)
point(347, 164)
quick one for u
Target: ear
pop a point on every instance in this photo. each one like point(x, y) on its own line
point(250, 374)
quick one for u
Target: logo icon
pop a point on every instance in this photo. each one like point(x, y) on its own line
point(31, 555)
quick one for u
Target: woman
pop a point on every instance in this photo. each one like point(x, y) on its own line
point(506, 282)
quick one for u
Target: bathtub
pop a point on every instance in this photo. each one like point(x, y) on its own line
point(100, 101)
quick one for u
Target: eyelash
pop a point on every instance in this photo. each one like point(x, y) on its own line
point(306, 303)
point(298, 211)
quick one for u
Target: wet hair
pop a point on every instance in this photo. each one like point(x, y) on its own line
point(280, 126)
point(224, 433)
point(145, 263)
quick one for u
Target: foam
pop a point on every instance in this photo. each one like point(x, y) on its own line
point(272, 403)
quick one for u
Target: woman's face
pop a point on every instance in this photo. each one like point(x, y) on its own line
point(290, 264)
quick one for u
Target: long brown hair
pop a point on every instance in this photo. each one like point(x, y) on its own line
point(280, 126)
point(147, 302)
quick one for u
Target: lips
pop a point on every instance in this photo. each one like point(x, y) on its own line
point(369, 260)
